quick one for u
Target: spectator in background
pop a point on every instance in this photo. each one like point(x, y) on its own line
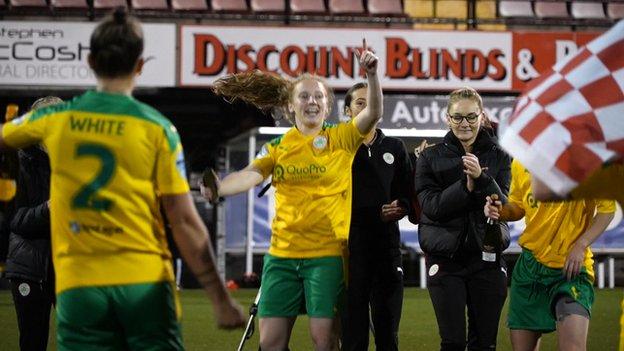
point(452, 181)
point(552, 281)
point(29, 261)
point(382, 174)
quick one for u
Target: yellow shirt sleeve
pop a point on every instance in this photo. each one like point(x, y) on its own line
point(605, 206)
point(170, 169)
point(516, 190)
point(26, 130)
point(346, 136)
point(265, 159)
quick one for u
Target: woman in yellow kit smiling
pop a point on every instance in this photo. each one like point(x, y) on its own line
point(311, 169)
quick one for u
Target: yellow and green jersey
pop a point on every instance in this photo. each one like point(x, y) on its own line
point(312, 180)
point(111, 158)
point(552, 228)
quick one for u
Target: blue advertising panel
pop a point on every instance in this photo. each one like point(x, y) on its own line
point(612, 240)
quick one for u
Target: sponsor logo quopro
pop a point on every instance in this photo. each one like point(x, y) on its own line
point(298, 172)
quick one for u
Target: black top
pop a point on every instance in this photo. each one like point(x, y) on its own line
point(381, 174)
point(452, 222)
point(29, 243)
point(8, 170)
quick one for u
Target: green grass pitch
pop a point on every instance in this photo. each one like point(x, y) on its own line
point(418, 326)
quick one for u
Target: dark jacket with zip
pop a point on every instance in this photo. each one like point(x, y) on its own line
point(381, 174)
point(452, 220)
point(29, 243)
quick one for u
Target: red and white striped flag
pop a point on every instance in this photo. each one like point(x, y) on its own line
point(570, 120)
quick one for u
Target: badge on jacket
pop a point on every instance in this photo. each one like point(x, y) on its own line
point(433, 270)
point(388, 157)
point(24, 289)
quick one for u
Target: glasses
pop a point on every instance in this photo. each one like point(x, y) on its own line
point(471, 118)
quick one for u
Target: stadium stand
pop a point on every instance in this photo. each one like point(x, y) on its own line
point(307, 6)
point(447, 13)
point(385, 7)
point(149, 4)
point(422, 8)
point(28, 3)
point(455, 9)
point(491, 15)
point(229, 5)
point(548, 9)
point(486, 10)
point(346, 7)
point(70, 4)
point(268, 6)
point(615, 10)
point(515, 9)
point(108, 4)
point(587, 9)
point(189, 5)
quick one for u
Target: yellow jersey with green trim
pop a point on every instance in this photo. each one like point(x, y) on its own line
point(111, 158)
point(552, 228)
point(312, 180)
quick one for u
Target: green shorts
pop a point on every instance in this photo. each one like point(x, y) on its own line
point(292, 286)
point(120, 317)
point(535, 290)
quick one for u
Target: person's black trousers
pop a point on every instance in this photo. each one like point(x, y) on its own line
point(375, 280)
point(33, 302)
point(480, 287)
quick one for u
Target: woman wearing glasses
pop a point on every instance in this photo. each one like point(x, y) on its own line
point(452, 180)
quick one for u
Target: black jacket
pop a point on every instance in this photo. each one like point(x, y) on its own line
point(8, 169)
point(452, 217)
point(381, 174)
point(29, 243)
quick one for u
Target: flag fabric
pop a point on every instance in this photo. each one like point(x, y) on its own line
point(570, 120)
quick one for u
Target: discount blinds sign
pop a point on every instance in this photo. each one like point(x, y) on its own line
point(408, 59)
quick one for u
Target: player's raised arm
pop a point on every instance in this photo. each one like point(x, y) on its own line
point(368, 117)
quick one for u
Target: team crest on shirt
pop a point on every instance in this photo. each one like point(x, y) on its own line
point(320, 142)
point(388, 157)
